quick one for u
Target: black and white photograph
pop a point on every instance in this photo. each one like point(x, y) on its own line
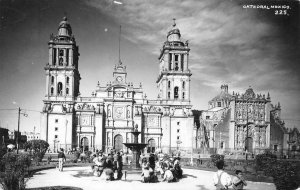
point(149, 94)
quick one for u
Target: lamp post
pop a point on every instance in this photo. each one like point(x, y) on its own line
point(19, 111)
point(24, 114)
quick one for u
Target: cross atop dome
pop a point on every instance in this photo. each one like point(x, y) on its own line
point(174, 19)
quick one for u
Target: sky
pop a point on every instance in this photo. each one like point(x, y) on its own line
point(231, 43)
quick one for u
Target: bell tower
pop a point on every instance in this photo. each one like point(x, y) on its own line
point(62, 75)
point(174, 75)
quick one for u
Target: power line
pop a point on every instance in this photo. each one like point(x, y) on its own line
point(31, 110)
point(8, 109)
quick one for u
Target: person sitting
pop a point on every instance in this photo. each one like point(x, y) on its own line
point(168, 176)
point(109, 171)
point(159, 167)
point(238, 181)
point(177, 170)
point(146, 175)
point(144, 164)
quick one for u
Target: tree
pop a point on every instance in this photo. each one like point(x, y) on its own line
point(15, 168)
point(37, 149)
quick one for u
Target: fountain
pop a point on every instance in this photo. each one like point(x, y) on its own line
point(135, 147)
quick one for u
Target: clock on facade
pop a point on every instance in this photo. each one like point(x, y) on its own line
point(119, 79)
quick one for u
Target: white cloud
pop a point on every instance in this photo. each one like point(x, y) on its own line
point(228, 43)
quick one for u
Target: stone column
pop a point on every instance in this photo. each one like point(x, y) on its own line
point(173, 61)
point(57, 55)
point(48, 85)
point(55, 85)
point(71, 57)
point(185, 62)
point(50, 55)
point(71, 90)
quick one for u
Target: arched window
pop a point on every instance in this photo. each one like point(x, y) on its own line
point(54, 56)
point(52, 91)
point(52, 80)
point(67, 91)
point(183, 95)
point(67, 57)
point(183, 84)
point(118, 142)
point(59, 88)
point(176, 63)
point(176, 92)
point(169, 94)
point(169, 84)
point(68, 80)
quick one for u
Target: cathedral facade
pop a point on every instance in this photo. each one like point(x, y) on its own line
point(242, 122)
point(106, 119)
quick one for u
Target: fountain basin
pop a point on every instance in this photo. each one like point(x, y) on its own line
point(135, 146)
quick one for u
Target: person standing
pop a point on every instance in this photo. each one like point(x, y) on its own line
point(119, 166)
point(238, 181)
point(152, 161)
point(99, 162)
point(61, 158)
point(221, 179)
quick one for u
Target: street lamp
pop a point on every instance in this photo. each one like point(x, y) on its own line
point(24, 114)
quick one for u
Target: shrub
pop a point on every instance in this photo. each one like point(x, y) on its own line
point(285, 174)
point(37, 149)
point(3, 151)
point(16, 166)
point(216, 157)
point(265, 162)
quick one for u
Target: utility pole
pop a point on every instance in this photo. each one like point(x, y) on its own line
point(19, 111)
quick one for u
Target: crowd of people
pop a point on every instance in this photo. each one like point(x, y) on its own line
point(108, 165)
point(168, 169)
point(153, 167)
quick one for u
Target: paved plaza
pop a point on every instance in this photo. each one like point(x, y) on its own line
point(82, 177)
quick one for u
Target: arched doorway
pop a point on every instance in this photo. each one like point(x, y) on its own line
point(85, 144)
point(151, 146)
point(249, 142)
point(118, 142)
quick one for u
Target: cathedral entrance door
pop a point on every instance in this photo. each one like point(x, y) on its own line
point(151, 146)
point(118, 142)
point(85, 144)
point(250, 144)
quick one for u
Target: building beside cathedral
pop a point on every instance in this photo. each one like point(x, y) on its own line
point(105, 120)
point(243, 122)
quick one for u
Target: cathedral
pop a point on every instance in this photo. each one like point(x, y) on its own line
point(106, 119)
point(242, 122)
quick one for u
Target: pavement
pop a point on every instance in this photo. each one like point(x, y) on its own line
point(82, 177)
